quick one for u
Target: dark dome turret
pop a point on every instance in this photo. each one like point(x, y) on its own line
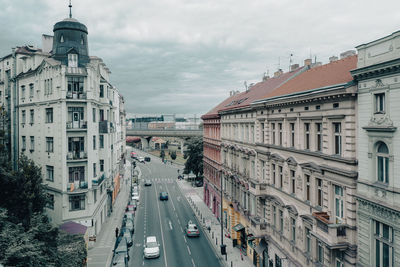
point(70, 36)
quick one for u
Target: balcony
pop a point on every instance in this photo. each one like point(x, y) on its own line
point(257, 189)
point(331, 233)
point(258, 225)
point(76, 95)
point(76, 155)
point(106, 127)
point(99, 180)
point(76, 125)
point(77, 187)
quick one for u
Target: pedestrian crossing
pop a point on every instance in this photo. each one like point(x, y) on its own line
point(163, 180)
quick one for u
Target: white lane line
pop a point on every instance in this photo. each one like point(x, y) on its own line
point(181, 229)
point(194, 265)
point(190, 253)
point(184, 237)
point(162, 233)
point(170, 224)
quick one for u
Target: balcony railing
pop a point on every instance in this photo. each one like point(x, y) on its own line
point(76, 95)
point(76, 124)
point(76, 155)
point(335, 233)
point(106, 127)
point(98, 180)
point(74, 187)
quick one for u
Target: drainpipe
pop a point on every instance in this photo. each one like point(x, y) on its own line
point(14, 117)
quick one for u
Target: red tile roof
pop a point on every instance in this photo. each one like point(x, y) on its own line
point(256, 92)
point(337, 72)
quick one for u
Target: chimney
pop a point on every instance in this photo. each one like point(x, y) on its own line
point(278, 73)
point(307, 62)
point(47, 43)
point(294, 67)
point(333, 58)
point(347, 54)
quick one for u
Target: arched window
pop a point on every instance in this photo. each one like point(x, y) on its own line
point(62, 39)
point(82, 40)
point(382, 162)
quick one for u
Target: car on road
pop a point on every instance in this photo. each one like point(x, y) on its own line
point(148, 159)
point(192, 230)
point(141, 159)
point(151, 248)
point(163, 196)
point(147, 182)
point(198, 182)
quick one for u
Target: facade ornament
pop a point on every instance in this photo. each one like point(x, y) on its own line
point(300, 235)
point(379, 83)
point(286, 177)
point(299, 183)
point(380, 121)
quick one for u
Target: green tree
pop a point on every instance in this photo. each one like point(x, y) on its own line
point(194, 162)
point(71, 250)
point(173, 155)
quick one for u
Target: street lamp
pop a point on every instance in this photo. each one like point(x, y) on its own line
point(223, 247)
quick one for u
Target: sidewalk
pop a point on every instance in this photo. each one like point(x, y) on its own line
point(100, 254)
point(203, 214)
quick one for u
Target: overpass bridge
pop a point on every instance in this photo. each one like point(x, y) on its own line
point(146, 134)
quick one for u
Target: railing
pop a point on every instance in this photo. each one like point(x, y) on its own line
point(77, 125)
point(99, 180)
point(76, 95)
point(76, 155)
point(72, 187)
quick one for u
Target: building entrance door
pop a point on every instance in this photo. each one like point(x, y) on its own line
point(75, 120)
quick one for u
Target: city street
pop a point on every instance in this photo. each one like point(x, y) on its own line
point(166, 220)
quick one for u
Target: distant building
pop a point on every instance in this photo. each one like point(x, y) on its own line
point(66, 116)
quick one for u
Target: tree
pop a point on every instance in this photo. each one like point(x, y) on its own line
point(173, 155)
point(194, 162)
point(71, 249)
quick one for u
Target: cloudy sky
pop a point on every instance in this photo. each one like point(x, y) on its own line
point(184, 56)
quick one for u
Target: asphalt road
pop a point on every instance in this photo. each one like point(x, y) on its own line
point(166, 220)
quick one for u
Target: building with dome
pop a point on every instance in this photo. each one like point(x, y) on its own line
point(66, 115)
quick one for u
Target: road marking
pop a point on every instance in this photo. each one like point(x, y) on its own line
point(184, 237)
point(194, 265)
point(162, 233)
point(170, 224)
point(190, 253)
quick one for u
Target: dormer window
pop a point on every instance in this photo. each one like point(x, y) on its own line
point(62, 39)
point(72, 60)
point(82, 40)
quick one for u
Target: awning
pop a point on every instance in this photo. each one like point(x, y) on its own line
point(251, 237)
point(261, 247)
point(238, 227)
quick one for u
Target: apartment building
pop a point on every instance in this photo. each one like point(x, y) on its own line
point(378, 148)
point(68, 118)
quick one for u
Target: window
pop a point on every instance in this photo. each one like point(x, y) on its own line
point(94, 170)
point(23, 116)
point(23, 143)
point(380, 103)
point(75, 86)
point(292, 134)
point(339, 203)
point(319, 192)
point(32, 116)
point(62, 38)
point(293, 224)
point(382, 162)
point(273, 133)
point(31, 90)
point(383, 234)
point(49, 115)
point(49, 173)
point(101, 112)
point(94, 114)
point(49, 144)
point(278, 261)
point(102, 165)
point(94, 142)
point(273, 173)
point(318, 127)
point(274, 215)
point(308, 187)
point(77, 202)
point(320, 252)
point(280, 134)
point(101, 90)
point(337, 127)
point(95, 195)
point(101, 141)
point(72, 60)
point(308, 241)
point(306, 135)
point(280, 176)
point(281, 221)
point(50, 203)
point(339, 263)
point(262, 133)
point(262, 163)
point(23, 92)
point(293, 181)
point(32, 138)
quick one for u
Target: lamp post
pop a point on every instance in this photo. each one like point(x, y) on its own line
point(223, 247)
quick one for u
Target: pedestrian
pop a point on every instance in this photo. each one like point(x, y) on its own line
point(116, 232)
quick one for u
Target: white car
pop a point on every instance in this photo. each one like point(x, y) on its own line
point(141, 159)
point(151, 248)
point(135, 196)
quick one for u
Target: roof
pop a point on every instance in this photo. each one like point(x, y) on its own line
point(334, 73)
point(256, 92)
point(73, 228)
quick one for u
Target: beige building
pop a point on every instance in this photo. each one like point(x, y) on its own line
point(290, 185)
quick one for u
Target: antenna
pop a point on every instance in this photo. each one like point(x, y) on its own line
point(245, 85)
point(290, 61)
point(70, 9)
point(279, 63)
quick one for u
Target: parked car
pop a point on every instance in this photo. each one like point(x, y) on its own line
point(141, 159)
point(191, 229)
point(127, 235)
point(198, 182)
point(130, 226)
point(163, 196)
point(133, 155)
point(147, 182)
point(119, 260)
point(135, 196)
point(151, 248)
point(128, 216)
point(147, 159)
point(130, 209)
point(133, 203)
point(121, 251)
